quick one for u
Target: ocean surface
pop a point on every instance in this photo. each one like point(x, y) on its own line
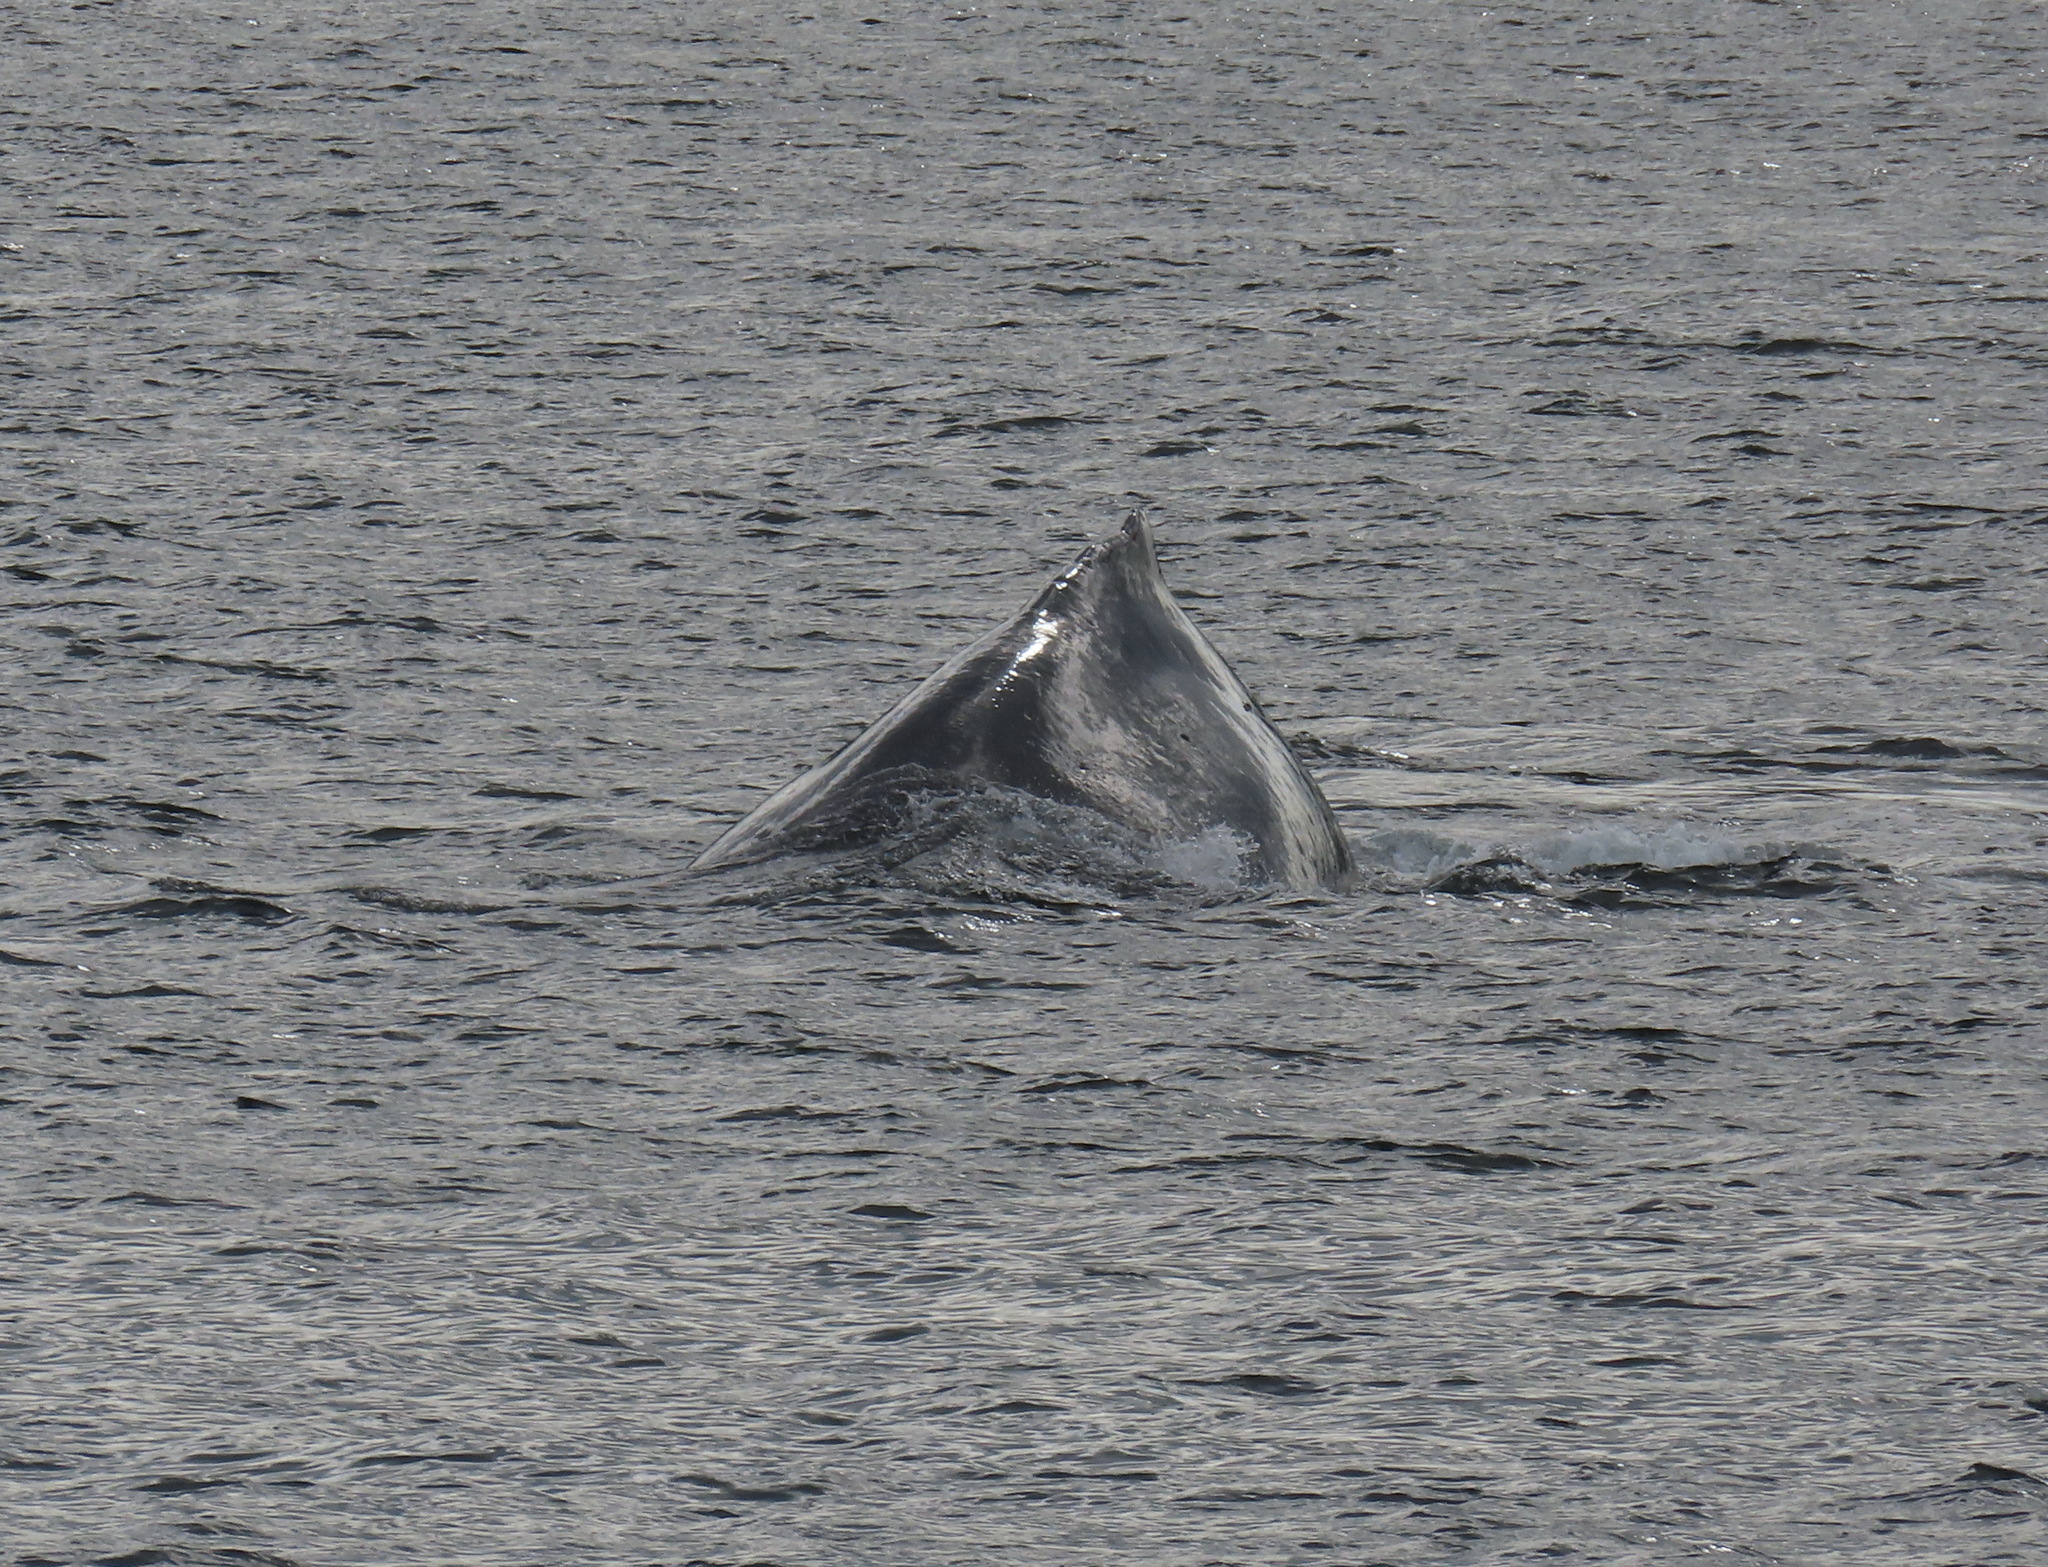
point(454, 459)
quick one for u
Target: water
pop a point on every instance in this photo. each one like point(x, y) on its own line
point(458, 458)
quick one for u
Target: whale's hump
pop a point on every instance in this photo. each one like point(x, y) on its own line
point(1101, 694)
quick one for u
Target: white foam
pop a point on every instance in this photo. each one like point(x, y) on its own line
point(1212, 860)
point(1671, 847)
point(1422, 855)
point(1415, 851)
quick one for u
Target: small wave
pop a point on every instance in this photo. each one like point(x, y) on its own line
point(1877, 753)
point(409, 902)
point(1609, 865)
point(179, 898)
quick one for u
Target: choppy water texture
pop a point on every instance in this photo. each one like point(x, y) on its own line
point(458, 457)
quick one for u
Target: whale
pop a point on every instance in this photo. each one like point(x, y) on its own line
point(1101, 693)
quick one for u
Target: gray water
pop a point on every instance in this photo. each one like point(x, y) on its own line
point(459, 457)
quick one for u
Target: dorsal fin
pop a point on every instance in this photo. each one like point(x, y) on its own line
point(1100, 693)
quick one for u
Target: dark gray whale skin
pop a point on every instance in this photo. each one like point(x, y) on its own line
point(1102, 694)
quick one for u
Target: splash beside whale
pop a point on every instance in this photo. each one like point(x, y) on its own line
point(1101, 694)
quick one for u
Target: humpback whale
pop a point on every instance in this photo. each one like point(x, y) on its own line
point(1102, 694)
